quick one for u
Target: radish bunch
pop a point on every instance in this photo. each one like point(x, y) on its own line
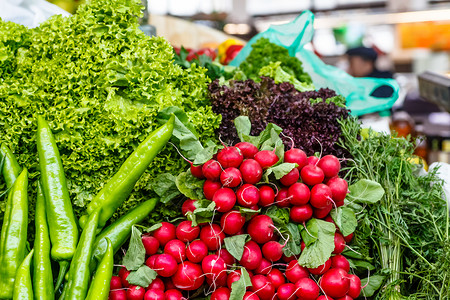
point(194, 260)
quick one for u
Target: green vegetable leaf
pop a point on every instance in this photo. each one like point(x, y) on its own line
point(135, 255)
point(164, 186)
point(243, 127)
point(361, 265)
point(365, 191)
point(142, 276)
point(235, 245)
point(280, 216)
point(345, 219)
point(239, 287)
point(319, 251)
point(203, 212)
point(247, 213)
point(189, 185)
point(153, 227)
point(279, 170)
point(275, 71)
point(293, 245)
point(374, 283)
point(206, 153)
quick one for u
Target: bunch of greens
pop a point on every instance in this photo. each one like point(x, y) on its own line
point(100, 82)
point(305, 121)
point(407, 232)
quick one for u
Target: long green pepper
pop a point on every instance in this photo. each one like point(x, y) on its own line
point(42, 267)
point(100, 285)
point(23, 288)
point(11, 168)
point(14, 234)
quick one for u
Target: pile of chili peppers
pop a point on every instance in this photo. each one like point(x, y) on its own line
point(29, 275)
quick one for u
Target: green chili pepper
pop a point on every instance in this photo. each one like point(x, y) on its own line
point(79, 273)
point(42, 268)
point(61, 219)
point(14, 234)
point(100, 286)
point(122, 183)
point(119, 231)
point(11, 168)
point(23, 289)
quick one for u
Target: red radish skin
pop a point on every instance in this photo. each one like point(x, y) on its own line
point(151, 244)
point(168, 283)
point(301, 213)
point(177, 249)
point(295, 272)
point(299, 194)
point(210, 188)
point(197, 171)
point(321, 269)
point(335, 283)
point(312, 160)
point(251, 171)
point(307, 289)
point(355, 286)
point(165, 265)
point(115, 283)
point(288, 259)
point(225, 199)
point(272, 251)
point(247, 149)
point(247, 195)
point(323, 297)
point(150, 262)
point(266, 158)
point(264, 267)
point(320, 196)
point(212, 236)
point(346, 297)
point(290, 178)
point(276, 277)
point(232, 222)
point(266, 196)
point(154, 295)
point(286, 292)
point(222, 293)
point(320, 213)
point(185, 232)
point(135, 292)
point(297, 156)
point(282, 199)
point(260, 229)
point(348, 238)
point(339, 243)
point(188, 276)
point(230, 157)
point(211, 170)
point(339, 188)
point(330, 165)
point(226, 256)
point(339, 261)
point(123, 274)
point(156, 284)
point(262, 287)
point(213, 266)
point(302, 245)
point(165, 233)
point(118, 295)
point(339, 203)
point(173, 294)
point(196, 251)
point(188, 206)
point(250, 296)
point(217, 281)
point(231, 177)
point(233, 276)
point(312, 175)
point(252, 256)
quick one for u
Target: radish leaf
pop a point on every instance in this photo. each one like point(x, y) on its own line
point(135, 255)
point(239, 287)
point(320, 246)
point(235, 245)
point(142, 276)
point(345, 219)
point(365, 191)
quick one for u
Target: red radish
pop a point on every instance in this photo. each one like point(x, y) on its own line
point(266, 196)
point(231, 177)
point(135, 292)
point(188, 276)
point(335, 283)
point(247, 149)
point(233, 276)
point(115, 283)
point(217, 281)
point(264, 267)
point(157, 284)
point(320, 213)
point(339, 261)
point(301, 213)
point(247, 195)
point(346, 297)
point(262, 287)
point(213, 266)
point(320, 195)
point(339, 188)
point(123, 274)
point(188, 206)
point(328, 218)
point(312, 175)
point(307, 289)
point(355, 286)
point(330, 165)
point(211, 170)
point(299, 194)
point(165, 265)
point(276, 277)
point(150, 262)
point(286, 292)
point(339, 243)
point(312, 160)
point(177, 249)
point(282, 199)
point(323, 297)
point(154, 295)
point(321, 269)
point(339, 203)
point(252, 256)
point(196, 251)
point(212, 236)
point(196, 171)
point(117, 295)
point(251, 171)
point(290, 178)
point(186, 232)
point(288, 259)
point(151, 244)
point(210, 188)
point(221, 293)
point(260, 229)
point(165, 233)
point(272, 251)
point(230, 157)
point(173, 294)
point(266, 158)
point(226, 256)
point(232, 222)
point(302, 245)
point(297, 156)
point(225, 199)
point(348, 238)
point(294, 272)
point(168, 283)
point(250, 296)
